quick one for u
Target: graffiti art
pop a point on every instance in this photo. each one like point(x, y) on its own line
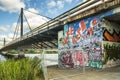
point(73, 59)
point(86, 34)
point(65, 59)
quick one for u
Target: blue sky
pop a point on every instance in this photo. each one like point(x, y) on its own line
point(10, 9)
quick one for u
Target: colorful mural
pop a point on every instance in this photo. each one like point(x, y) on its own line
point(85, 34)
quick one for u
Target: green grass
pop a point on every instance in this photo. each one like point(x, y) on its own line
point(24, 69)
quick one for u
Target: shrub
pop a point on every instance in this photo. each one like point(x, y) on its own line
point(23, 69)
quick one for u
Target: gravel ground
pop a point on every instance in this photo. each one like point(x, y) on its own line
point(55, 73)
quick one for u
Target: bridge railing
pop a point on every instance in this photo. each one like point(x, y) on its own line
point(61, 17)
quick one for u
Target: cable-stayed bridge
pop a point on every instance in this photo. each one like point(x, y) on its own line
point(46, 35)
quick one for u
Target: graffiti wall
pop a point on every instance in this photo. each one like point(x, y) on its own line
point(111, 31)
point(111, 43)
point(89, 35)
point(85, 35)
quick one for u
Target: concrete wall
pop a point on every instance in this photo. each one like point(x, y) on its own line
point(84, 35)
point(111, 43)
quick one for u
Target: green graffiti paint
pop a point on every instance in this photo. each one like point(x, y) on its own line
point(95, 64)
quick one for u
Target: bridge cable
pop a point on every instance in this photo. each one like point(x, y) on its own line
point(27, 22)
point(17, 31)
point(16, 27)
point(39, 14)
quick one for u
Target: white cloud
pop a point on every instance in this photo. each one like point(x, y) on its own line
point(3, 29)
point(69, 1)
point(33, 10)
point(33, 19)
point(10, 36)
point(11, 5)
point(60, 4)
point(14, 30)
point(52, 11)
point(52, 4)
point(7, 39)
point(7, 34)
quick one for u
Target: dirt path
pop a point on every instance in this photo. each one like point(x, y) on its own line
point(55, 73)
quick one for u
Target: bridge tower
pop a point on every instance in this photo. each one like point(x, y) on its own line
point(21, 29)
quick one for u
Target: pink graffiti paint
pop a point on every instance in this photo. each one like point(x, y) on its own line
point(79, 58)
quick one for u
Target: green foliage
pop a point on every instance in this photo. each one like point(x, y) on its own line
point(111, 47)
point(111, 52)
point(52, 52)
point(24, 69)
point(11, 52)
point(32, 51)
